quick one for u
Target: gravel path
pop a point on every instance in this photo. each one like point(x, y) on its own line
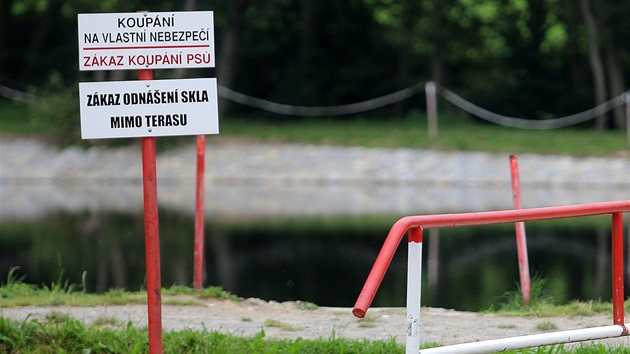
point(287, 320)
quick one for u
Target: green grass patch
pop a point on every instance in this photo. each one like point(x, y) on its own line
point(15, 117)
point(455, 132)
point(306, 306)
point(279, 324)
point(543, 305)
point(368, 322)
point(546, 326)
point(15, 292)
point(68, 335)
point(58, 332)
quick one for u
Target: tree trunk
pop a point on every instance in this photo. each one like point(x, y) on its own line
point(616, 85)
point(189, 5)
point(307, 8)
point(594, 55)
point(614, 69)
point(227, 58)
point(5, 16)
point(405, 58)
point(580, 82)
point(40, 35)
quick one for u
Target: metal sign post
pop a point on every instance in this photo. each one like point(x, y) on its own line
point(145, 108)
point(152, 236)
point(198, 256)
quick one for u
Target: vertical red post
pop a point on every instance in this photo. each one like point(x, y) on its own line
point(199, 214)
point(521, 240)
point(152, 236)
point(617, 270)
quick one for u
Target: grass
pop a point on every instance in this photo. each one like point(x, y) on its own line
point(58, 332)
point(15, 292)
point(455, 132)
point(279, 324)
point(368, 322)
point(543, 305)
point(546, 326)
point(307, 306)
point(72, 336)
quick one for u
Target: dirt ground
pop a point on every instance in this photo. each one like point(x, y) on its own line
point(289, 320)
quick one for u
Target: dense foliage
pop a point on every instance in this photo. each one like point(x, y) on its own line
point(535, 59)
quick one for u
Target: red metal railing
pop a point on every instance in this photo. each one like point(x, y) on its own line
point(415, 225)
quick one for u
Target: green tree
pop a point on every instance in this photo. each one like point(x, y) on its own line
point(529, 58)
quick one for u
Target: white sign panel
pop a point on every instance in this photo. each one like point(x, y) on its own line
point(146, 40)
point(150, 108)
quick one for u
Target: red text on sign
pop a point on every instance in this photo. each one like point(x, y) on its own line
point(199, 58)
point(103, 60)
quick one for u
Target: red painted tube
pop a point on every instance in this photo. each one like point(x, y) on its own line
point(617, 271)
point(152, 236)
point(199, 215)
point(379, 268)
point(399, 229)
point(521, 238)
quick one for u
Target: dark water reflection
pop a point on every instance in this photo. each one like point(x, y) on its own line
point(323, 259)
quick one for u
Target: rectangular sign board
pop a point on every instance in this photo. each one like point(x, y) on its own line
point(146, 40)
point(148, 108)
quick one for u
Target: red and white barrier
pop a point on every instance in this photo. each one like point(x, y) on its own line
point(414, 225)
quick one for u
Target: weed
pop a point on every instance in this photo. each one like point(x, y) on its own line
point(368, 322)
point(539, 297)
point(57, 317)
point(546, 326)
point(106, 321)
point(506, 326)
point(305, 305)
point(214, 292)
point(15, 286)
point(280, 324)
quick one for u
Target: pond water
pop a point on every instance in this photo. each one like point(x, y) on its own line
point(309, 243)
point(302, 222)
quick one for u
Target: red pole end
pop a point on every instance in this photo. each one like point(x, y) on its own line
point(359, 313)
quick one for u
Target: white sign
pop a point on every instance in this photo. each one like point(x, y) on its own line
point(150, 108)
point(146, 40)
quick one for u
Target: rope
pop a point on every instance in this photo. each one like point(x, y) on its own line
point(313, 111)
point(533, 124)
point(16, 95)
point(364, 106)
